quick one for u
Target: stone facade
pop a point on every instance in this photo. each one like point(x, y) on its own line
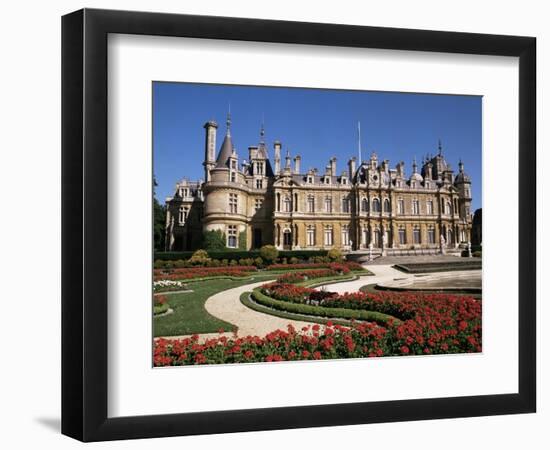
point(255, 203)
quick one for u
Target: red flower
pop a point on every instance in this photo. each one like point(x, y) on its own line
point(404, 349)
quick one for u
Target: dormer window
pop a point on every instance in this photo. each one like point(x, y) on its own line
point(344, 181)
point(310, 180)
point(327, 180)
point(259, 184)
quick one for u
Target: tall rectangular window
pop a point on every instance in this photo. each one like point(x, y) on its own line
point(345, 235)
point(430, 207)
point(345, 205)
point(258, 204)
point(400, 206)
point(416, 236)
point(402, 236)
point(310, 233)
point(233, 199)
point(311, 204)
point(431, 236)
point(415, 207)
point(328, 236)
point(259, 184)
point(232, 236)
point(328, 204)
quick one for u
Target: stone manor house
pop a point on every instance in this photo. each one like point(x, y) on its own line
point(367, 205)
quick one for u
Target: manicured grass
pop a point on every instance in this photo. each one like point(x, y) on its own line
point(189, 316)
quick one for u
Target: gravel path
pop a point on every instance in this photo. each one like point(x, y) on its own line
point(227, 306)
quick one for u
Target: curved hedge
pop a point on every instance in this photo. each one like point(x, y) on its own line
point(320, 311)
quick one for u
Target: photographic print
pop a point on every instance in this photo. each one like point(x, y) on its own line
point(294, 224)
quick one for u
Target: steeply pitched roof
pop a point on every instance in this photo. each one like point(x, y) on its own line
point(226, 151)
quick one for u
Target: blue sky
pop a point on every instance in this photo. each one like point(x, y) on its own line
point(315, 123)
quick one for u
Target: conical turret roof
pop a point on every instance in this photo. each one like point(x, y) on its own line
point(226, 150)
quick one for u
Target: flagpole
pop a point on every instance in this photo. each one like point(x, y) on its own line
point(359, 143)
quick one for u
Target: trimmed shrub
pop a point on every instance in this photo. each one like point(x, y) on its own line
point(259, 262)
point(269, 253)
point(199, 258)
point(335, 254)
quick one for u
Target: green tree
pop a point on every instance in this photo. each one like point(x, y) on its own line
point(159, 220)
point(214, 240)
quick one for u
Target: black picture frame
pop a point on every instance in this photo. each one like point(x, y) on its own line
point(84, 224)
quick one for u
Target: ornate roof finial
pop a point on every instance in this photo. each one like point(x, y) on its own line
point(439, 147)
point(414, 164)
point(228, 121)
point(262, 130)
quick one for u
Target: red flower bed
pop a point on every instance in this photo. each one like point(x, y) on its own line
point(429, 322)
point(313, 342)
point(159, 300)
point(433, 331)
point(203, 272)
point(344, 267)
point(296, 277)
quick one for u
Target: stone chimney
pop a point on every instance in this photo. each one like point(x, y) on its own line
point(297, 161)
point(277, 158)
point(351, 166)
point(333, 166)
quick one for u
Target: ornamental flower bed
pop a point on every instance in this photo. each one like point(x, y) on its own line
point(160, 305)
point(168, 285)
point(360, 340)
point(313, 342)
point(297, 277)
point(203, 272)
point(345, 267)
point(428, 322)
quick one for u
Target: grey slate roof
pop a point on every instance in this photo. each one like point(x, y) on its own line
point(226, 151)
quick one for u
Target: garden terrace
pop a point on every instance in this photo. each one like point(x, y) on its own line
point(467, 264)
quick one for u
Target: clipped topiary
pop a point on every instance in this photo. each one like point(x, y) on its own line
point(269, 253)
point(334, 254)
point(199, 258)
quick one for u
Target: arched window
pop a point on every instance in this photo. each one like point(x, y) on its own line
point(376, 205)
point(387, 207)
point(364, 205)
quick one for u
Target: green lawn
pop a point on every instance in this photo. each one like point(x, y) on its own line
point(189, 315)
